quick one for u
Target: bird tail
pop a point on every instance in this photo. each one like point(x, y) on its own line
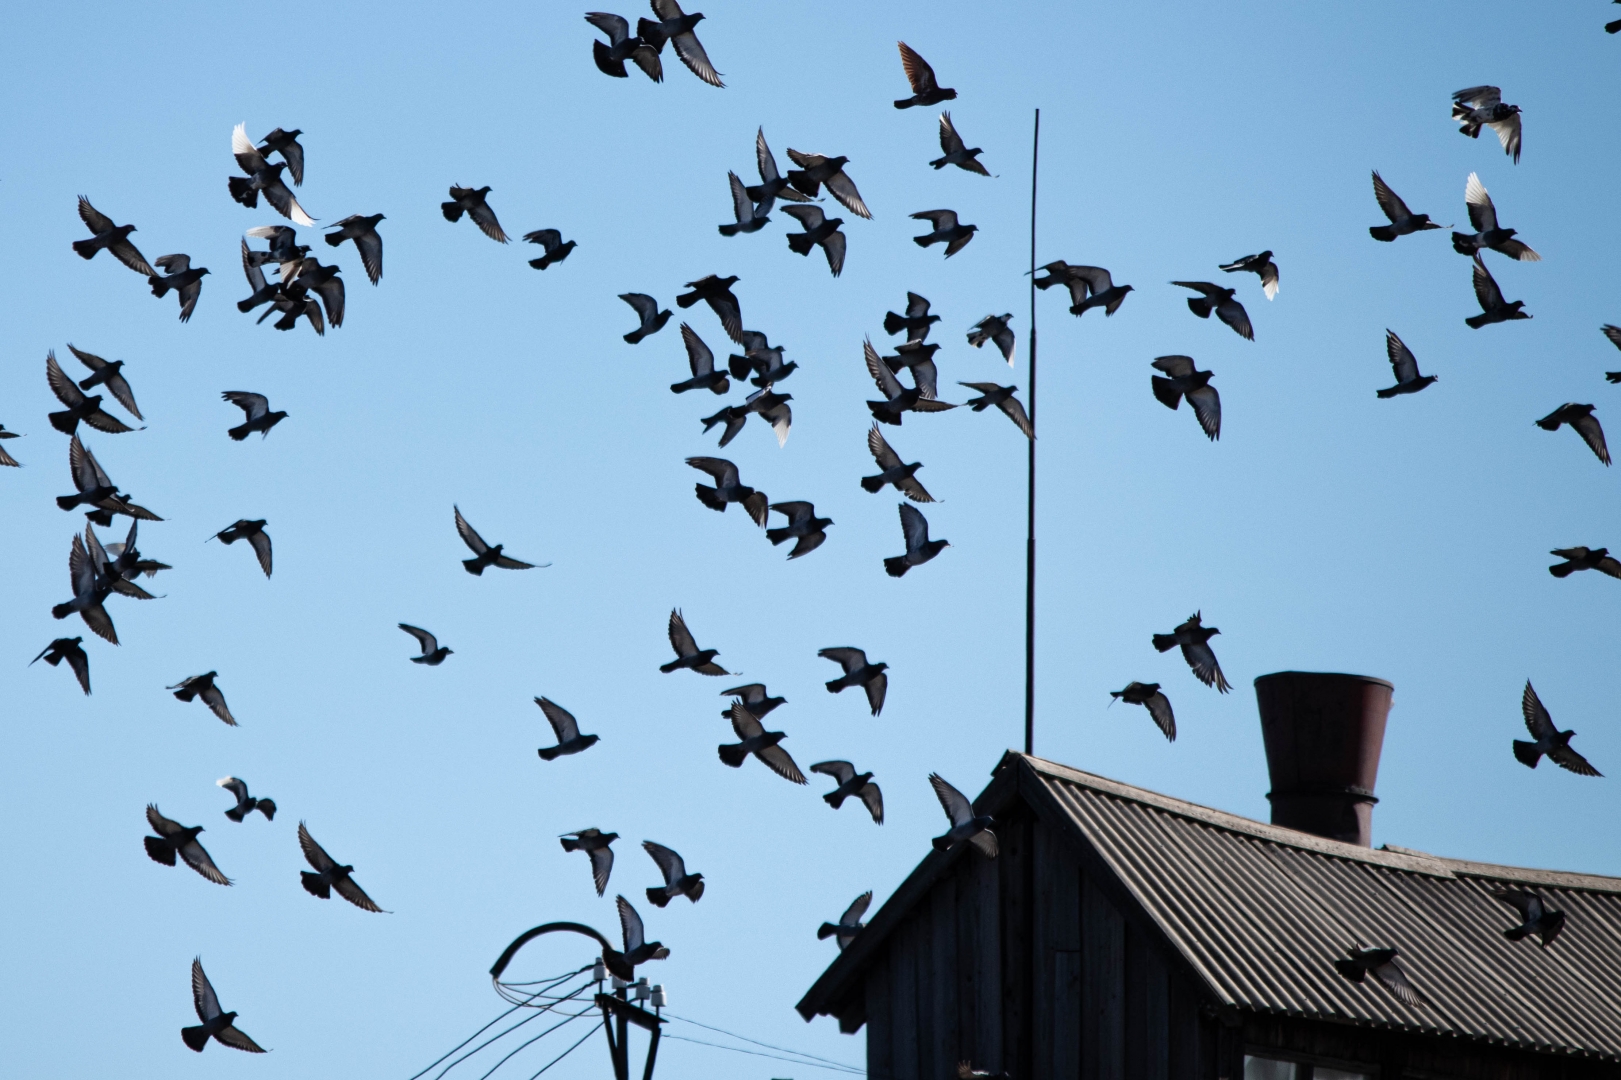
point(334, 239)
point(1562, 570)
point(451, 210)
point(243, 191)
point(239, 432)
point(880, 412)
point(235, 815)
point(1527, 753)
point(938, 163)
point(667, 668)
point(1516, 933)
point(776, 536)
point(159, 286)
point(825, 931)
point(1351, 970)
point(86, 249)
point(658, 897)
point(549, 753)
point(472, 567)
point(570, 843)
point(1476, 321)
point(1164, 642)
point(1167, 393)
point(314, 885)
point(634, 336)
point(800, 243)
point(61, 611)
point(1388, 393)
point(731, 230)
point(186, 694)
point(1613, 27)
point(873, 484)
point(1386, 233)
point(1201, 306)
point(709, 496)
point(541, 263)
point(733, 754)
point(942, 843)
point(159, 850)
point(268, 808)
point(922, 241)
point(67, 502)
point(896, 566)
point(1464, 244)
point(833, 799)
point(195, 1037)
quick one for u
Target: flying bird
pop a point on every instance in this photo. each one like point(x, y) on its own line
point(1405, 365)
point(622, 45)
point(1089, 287)
point(771, 406)
point(329, 875)
point(677, 882)
point(256, 412)
point(926, 89)
point(965, 824)
point(1613, 333)
point(1002, 397)
point(851, 783)
point(647, 310)
point(174, 839)
point(818, 169)
point(471, 202)
point(701, 361)
point(772, 185)
point(594, 842)
point(254, 533)
point(5, 458)
point(1582, 422)
point(899, 400)
point(761, 743)
point(203, 686)
point(245, 803)
point(323, 281)
point(1488, 234)
point(1480, 106)
point(1194, 385)
point(915, 322)
point(567, 730)
point(849, 924)
point(749, 217)
point(114, 238)
point(216, 1023)
point(1493, 309)
point(762, 358)
point(953, 152)
point(1402, 220)
point(291, 150)
point(994, 328)
point(69, 649)
point(919, 548)
point(79, 407)
point(179, 275)
point(717, 293)
point(675, 26)
point(1615, 26)
point(638, 950)
point(755, 697)
point(1261, 266)
point(122, 562)
point(819, 230)
point(1150, 697)
point(1549, 739)
point(1584, 558)
point(892, 470)
point(485, 555)
point(93, 487)
point(858, 671)
point(1381, 964)
point(946, 231)
point(90, 592)
point(552, 242)
point(107, 373)
point(1537, 916)
point(803, 526)
point(1222, 302)
point(687, 653)
point(729, 489)
point(363, 231)
point(262, 176)
point(433, 653)
point(1194, 638)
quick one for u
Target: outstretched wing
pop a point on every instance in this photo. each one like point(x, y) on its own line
point(203, 998)
point(842, 188)
point(880, 449)
point(942, 219)
point(888, 385)
point(261, 547)
point(1486, 290)
point(742, 205)
point(1202, 659)
point(346, 888)
point(681, 639)
point(630, 925)
point(781, 762)
point(1482, 214)
point(472, 539)
point(199, 860)
point(1389, 201)
point(1402, 360)
point(1592, 433)
point(745, 723)
point(484, 218)
point(858, 907)
point(1013, 409)
point(700, 358)
point(723, 472)
point(425, 641)
point(236, 1039)
point(809, 216)
point(669, 862)
point(1537, 720)
point(1159, 708)
point(313, 852)
point(874, 801)
point(65, 389)
point(956, 805)
point(236, 787)
point(914, 526)
point(950, 141)
point(253, 406)
point(602, 864)
point(161, 825)
point(1395, 980)
point(851, 660)
point(918, 72)
point(562, 721)
point(840, 771)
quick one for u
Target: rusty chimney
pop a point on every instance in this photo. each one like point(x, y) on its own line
point(1323, 734)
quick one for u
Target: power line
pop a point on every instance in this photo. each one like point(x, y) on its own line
point(769, 1046)
point(536, 1015)
point(571, 1018)
point(564, 1054)
point(775, 1057)
point(492, 1023)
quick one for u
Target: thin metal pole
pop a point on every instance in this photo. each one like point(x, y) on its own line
point(1030, 540)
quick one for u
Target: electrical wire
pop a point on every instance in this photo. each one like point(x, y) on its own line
point(539, 1012)
point(571, 1018)
point(775, 1057)
point(757, 1042)
point(565, 1053)
point(492, 1023)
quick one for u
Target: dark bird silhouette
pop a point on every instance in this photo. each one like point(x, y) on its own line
point(594, 842)
point(947, 230)
point(262, 176)
point(174, 839)
point(433, 653)
point(1493, 309)
point(926, 89)
point(819, 230)
point(1222, 302)
point(254, 533)
point(761, 743)
point(965, 824)
point(1262, 267)
point(216, 1023)
point(892, 470)
point(953, 152)
point(1185, 382)
point(994, 328)
point(69, 649)
point(1582, 422)
point(1480, 106)
point(363, 231)
point(1402, 220)
point(1537, 916)
point(771, 406)
point(1381, 964)
point(323, 281)
point(107, 373)
point(282, 297)
point(5, 458)
point(749, 217)
point(471, 202)
point(858, 671)
point(755, 697)
point(701, 361)
point(851, 783)
point(687, 653)
point(1488, 234)
point(122, 563)
point(1194, 638)
point(1613, 27)
point(90, 592)
point(114, 238)
point(93, 487)
point(1584, 558)
point(899, 400)
point(818, 169)
point(803, 526)
point(1613, 333)
point(1549, 739)
point(717, 293)
point(79, 407)
point(762, 358)
point(245, 803)
point(647, 310)
point(291, 150)
point(329, 875)
point(552, 241)
point(1090, 287)
point(675, 26)
point(1002, 397)
point(180, 276)
point(1405, 365)
point(1150, 697)
point(677, 882)
point(638, 950)
point(485, 555)
point(567, 730)
point(202, 686)
point(915, 322)
point(256, 412)
point(622, 45)
point(772, 185)
point(919, 548)
point(729, 489)
point(849, 924)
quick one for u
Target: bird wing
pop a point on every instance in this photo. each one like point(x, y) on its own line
point(645, 306)
point(253, 406)
point(842, 188)
point(781, 419)
point(918, 72)
point(745, 723)
point(742, 205)
point(174, 264)
point(215, 700)
point(1395, 980)
point(841, 771)
point(89, 360)
point(669, 862)
point(1215, 292)
point(1232, 313)
point(1508, 133)
point(255, 275)
point(331, 292)
point(1479, 97)
point(1587, 426)
point(874, 801)
point(1482, 214)
point(796, 512)
point(83, 467)
point(1177, 367)
point(914, 527)
point(808, 215)
point(858, 907)
point(985, 841)
point(1486, 290)
point(248, 158)
point(1566, 758)
point(293, 153)
point(425, 641)
point(888, 385)
point(200, 861)
point(346, 888)
point(261, 548)
point(851, 660)
point(752, 692)
point(602, 864)
point(1206, 404)
point(876, 688)
point(615, 26)
point(763, 158)
point(630, 925)
point(484, 218)
point(880, 449)
point(280, 196)
point(546, 238)
point(956, 805)
point(700, 358)
point(164, 827)
point(313, 852)
point(1013, 409)
point(203, 998)
point(562, 721)
point(80, 663)
point(781, 762)
point(1202, 659)
point(370, 246)
point(236, 1039)
point(950, 141)
point(234, 786)
point(681, 639)
point(1537, 720)
point(81, 569)
point(723, 472)
point(1389, 201)
point(65, 389)
point(1521, 901)
point(1609, 565)
point(1159, 708)
point(942, 219)
point(691, 52)
point(94, 219)
point(472, 539)
point(1402, 360)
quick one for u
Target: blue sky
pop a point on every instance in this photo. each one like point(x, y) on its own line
point(1327, 530)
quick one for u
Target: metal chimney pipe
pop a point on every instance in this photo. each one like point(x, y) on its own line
point(1323, 735)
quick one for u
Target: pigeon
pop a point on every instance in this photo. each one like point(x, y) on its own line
point(119, 570)
point(772, 185)
point(898, 400)
point(926, 90)
point(552, 241)
point(291, 150)
point(755, 697)
point(256, 411)
point(717, 293)
point(254, 533)
point(433, 653)
point(701, 360)
point(1262, 267)
point(471, 202)
point(771, 406)
point(1402, 220)
point(263, 292)
point(1221, 301)
point(762, 358)
point(818, 169)
point(1149, 696)
point(1194, 385)
point(1584, 558)
point(5, 458)
point(179, 276)
point(851, 783)
point(893, 471)
point(90, 592)
point(174, 839)
point(946, 231)
point(677, 882)
point(329, 875)
point(203, 686)
point(1611, 332)
point(1549, 739)
point(687, 653)
point(1089, 287)
point(245, 803)
point(312, 277)
point(1492, 307)
point(262, 176)
point(749, 219)
point(114, 238)
point(819, 230)
point(1536, 914)
point(1480, 106)
point(849, 924)
point(622, 45)
point(953, 152)
point(919, 548)
point(567, 729)
point(675, 26)
point(1382, 964)
point(761, 743)
point(95, 488)
point(107, 373)
point(486, 555)
point(638, 950)
point(918, 358)
point(79, 407)
point(647, 310)
point(1002, 397)
point(1615, 26)
point(594, 842)
point(1487, 234)
point(965, 824)
point(994, 328)
point(1405, 365)
point(285, 250)
point(728, 489)
point(1194, 638)
point(1583, 422)
point(363, 231)
point(915, 322)
point(69, 649)
point(215, 1023)
point(803, 526)
point(858, 671)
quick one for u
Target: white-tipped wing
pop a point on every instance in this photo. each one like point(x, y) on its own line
point(1482, 214)
point(234, 786)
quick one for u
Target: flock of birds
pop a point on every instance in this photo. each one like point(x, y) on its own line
point(285, 279)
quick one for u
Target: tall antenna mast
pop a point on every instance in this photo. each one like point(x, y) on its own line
point(1030, 538)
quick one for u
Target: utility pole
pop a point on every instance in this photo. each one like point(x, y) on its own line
point(1030, 537)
